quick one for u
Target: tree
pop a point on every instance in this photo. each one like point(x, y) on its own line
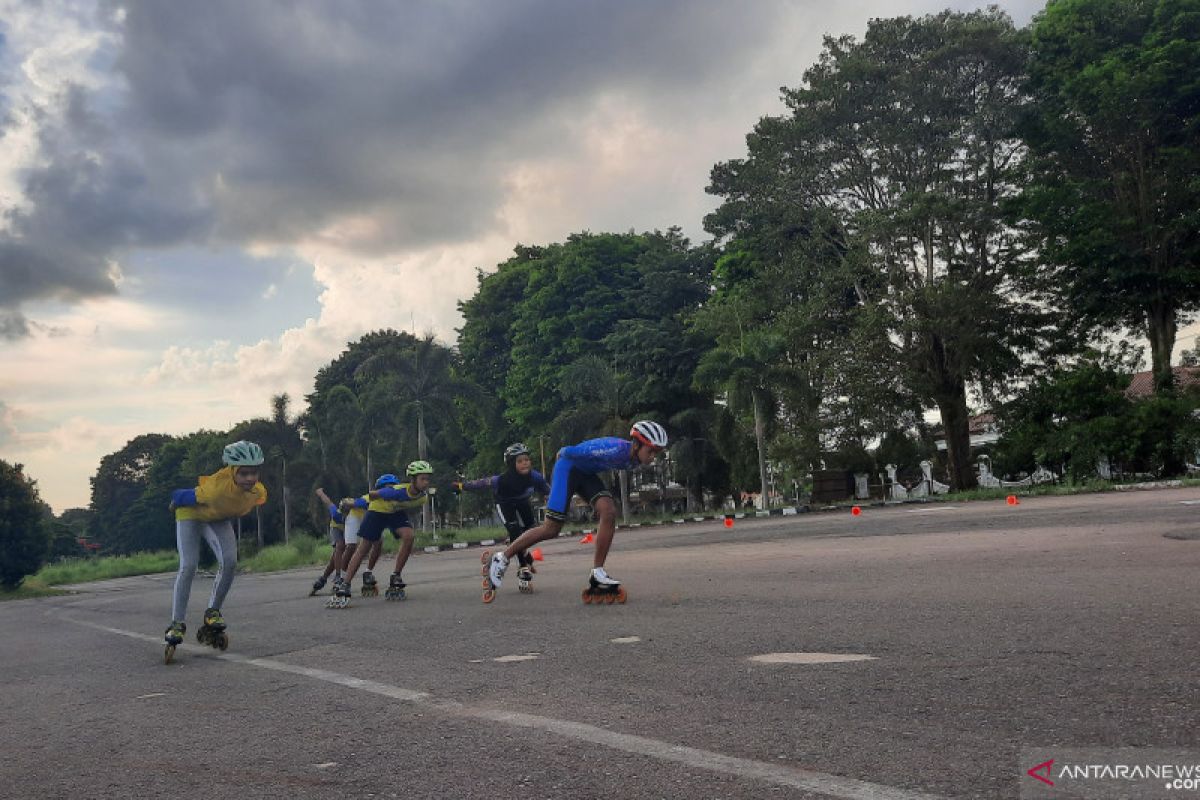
point(1114, 137)
point(24, 540)
point(895, 163)
point(120, 481)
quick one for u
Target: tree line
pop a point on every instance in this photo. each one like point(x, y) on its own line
point(952, 215)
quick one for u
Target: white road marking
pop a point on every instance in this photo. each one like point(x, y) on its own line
point(326, 765)
point(148, 696)
point(927, 510)
point(695, 758)
point(524, 657)
point(810, 658)
point(626, 639)
point(1189, 502)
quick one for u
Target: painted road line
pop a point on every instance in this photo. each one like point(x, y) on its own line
point(926, 510)
point(695, 758)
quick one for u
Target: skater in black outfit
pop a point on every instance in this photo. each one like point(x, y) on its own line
point(512, 491)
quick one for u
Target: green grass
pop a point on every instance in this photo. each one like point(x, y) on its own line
point(83, 570)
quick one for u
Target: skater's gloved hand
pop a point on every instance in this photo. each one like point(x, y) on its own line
point(183, 497)
point(360, 503)
point(457, 486)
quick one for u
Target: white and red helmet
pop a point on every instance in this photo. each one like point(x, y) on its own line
point(650, 433)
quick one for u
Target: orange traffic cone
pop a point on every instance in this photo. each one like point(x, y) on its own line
point(587, 538)
point(537, 554)
point(856, 511)
point(729, 522)
point(1013, 501)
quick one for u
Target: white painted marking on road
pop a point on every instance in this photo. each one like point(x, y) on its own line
point(626, 639)
point(1189, 502)
point(805, 779)
point(928, 510)
point(152, 694)
point(810, 658)
point(523, 657)
point(326, 765)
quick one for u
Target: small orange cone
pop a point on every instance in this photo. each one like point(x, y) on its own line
point(1013, 501)
point(537, 554)
point(587, 539)
point(729, 522)
point(856, 511)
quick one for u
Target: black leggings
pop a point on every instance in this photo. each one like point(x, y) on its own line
point(517, 516)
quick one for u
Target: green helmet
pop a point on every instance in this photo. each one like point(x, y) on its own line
point(243, 454)
point(419, 468)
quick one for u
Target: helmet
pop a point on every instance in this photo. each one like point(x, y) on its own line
point(650, 433)
point(243, 454)
point(386, 480)
point(419, 468)
point(512, 451)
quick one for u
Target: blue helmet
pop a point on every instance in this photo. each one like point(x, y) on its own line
point(386, 480)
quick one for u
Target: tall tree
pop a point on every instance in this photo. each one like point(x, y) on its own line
point(1114, 133)
point(900, 148)
point(120, 481)
point(24, 539)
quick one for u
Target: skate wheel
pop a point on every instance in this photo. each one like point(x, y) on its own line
point(222, 641)
point(484, 558)
point(486, 583)
point(489, 595)
point(169, 654)
point(621, 595)
point(587, 597)
point(200, 635)
point(609, 599)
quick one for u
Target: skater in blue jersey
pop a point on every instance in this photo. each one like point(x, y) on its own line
point(576, 472)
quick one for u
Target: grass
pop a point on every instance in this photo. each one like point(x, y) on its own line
point(29, 589)
point(84, 570)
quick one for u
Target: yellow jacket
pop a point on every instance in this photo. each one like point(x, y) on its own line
point(401, 498)
point(218, 497)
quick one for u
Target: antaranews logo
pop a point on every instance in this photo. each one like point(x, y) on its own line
point(1097, 773)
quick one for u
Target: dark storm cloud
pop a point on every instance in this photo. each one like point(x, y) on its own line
point(237, 121)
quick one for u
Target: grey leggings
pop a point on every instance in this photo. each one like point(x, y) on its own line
point(221, 539)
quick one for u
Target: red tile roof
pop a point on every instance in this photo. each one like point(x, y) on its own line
point(1142, 384)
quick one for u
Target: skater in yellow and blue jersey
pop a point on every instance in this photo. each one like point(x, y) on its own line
point(338, 513)
point(576, 472)
point(387, 506)
point(207, 512)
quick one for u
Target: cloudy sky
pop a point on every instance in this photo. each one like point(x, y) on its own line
point(204, 202)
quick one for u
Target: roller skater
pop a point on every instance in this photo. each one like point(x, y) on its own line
point(512, 491)
point(395, 590)
point(212, 632)
point(174, 638)
point(577, 472)
point(387, 507)
point(370, 586)
point(207, 512)
point(340, 539)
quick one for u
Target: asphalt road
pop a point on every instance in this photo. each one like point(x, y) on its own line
point(990, 629)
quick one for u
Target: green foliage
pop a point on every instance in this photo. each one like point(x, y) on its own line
point(84, 570)
point(1074, 417)
point(1113, 200)
point(24, 539)
point(871, 258)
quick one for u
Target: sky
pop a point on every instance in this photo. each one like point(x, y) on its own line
point(203, 203)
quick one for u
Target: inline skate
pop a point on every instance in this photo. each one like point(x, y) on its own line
point(212, 632)
point(525, 579)
point(317, 586)
point(341, 594)
point(395, 589)
point(370, 586)
point(603, 589)
point(174, 638)
point(493, 573)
